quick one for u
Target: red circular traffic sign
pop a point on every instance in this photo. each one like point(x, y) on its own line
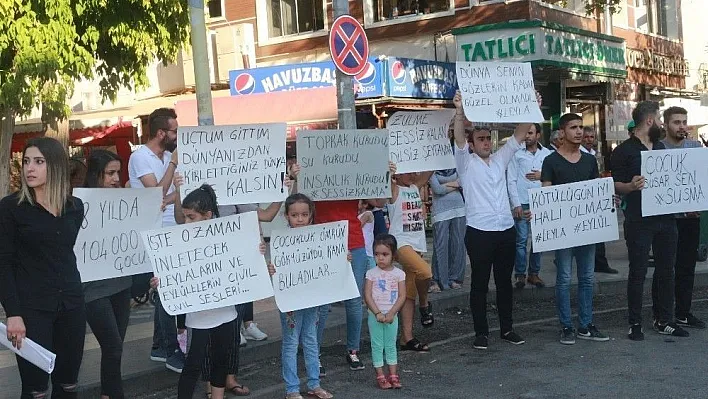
point(348, 45)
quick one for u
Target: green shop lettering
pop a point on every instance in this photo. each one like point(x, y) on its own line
point(583, 49)
point(495, 49)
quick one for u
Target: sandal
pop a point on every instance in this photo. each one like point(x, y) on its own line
point(383, 382)
point(415, 346)
point(239, 390)
point(293, 395)
point(320, 393)
point(395, 381)
point(426, 316)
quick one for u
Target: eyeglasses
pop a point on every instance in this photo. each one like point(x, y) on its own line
point(169, 130)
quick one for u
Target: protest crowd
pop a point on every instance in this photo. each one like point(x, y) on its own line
point(355, 221)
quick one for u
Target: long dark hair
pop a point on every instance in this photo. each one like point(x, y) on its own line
point(58, 187)
point(387, 240)
point(202, 200)
point(97, 162)
point(297, 197)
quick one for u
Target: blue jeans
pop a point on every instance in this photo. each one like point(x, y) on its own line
point(165, 329)
point(523, 228)
point(449, 260)
point(298, 327)
point(352, 307)
point(585, 260)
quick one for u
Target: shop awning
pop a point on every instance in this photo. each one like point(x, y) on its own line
point(295, 107)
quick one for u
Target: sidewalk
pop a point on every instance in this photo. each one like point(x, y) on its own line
point(139, 371)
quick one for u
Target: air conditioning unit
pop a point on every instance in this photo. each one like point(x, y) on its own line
point(235, 48)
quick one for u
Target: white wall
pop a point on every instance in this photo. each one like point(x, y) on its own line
point(695, 45)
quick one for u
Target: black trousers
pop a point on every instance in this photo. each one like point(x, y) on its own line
point(689, 230)
point(601, 257)
point(660, 234)
point(232, 349)
point(491, 250)
point(61, 332)
point(216, 341)
point(108, 318)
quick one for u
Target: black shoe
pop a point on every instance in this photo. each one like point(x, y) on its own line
point(636, 333)
point(567, 336)
point(591, 333)
point(323, 373)
point(353, 360)
point(670, 329)
point(513, 338)
point(480, 342)
point(607, 270)
point(690, 321)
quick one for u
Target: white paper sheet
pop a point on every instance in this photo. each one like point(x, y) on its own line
point(31, 351)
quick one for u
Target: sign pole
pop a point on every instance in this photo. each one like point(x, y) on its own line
point(345, 89)
point(201, 62)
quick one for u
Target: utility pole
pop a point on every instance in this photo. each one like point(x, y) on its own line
point(200, 59)
point(345, 89)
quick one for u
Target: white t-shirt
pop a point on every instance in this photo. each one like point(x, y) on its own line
point(144, 162)
point(406, 217)
point(211, 318)
point(368, 230)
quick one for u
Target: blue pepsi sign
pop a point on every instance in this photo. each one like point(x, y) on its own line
point(412, 78)
point(368, 84)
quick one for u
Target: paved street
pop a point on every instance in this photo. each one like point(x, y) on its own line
point(542, 368)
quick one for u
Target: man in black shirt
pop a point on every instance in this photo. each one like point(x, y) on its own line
point(641, 233)
point(570, 165)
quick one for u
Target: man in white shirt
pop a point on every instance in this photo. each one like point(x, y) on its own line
point(154, 165)
point(556, 140)
point(524, 173)
point(588, 144)
point(491, 237)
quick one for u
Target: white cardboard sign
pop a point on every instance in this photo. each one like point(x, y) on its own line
point(109, 244)
point(244, 163)
point(498, 92)
point(311, 266)
point(343, 164)
point(210, 264)
point(572, 215)
point(419, 140)
point(676, 181)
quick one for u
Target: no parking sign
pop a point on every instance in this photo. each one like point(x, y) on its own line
point(348, 45)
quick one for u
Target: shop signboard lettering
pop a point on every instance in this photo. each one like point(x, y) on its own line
point(108, 244)
point(412, 78)
point(553, 46)
point(651, 61)
point(368, 84)
point(343, 164)
point(574, 214)
point(311, 267)
point(210, 264)
point(244, 164)
point(676, 181)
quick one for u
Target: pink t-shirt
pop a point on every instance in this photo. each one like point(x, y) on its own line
point(385, 286)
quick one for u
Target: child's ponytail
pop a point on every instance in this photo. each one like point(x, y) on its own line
point(202, 200)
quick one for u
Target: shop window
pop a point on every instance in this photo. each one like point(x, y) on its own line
point(215, 8)
point(294, 17)
point(401, 10)
point(660, 17)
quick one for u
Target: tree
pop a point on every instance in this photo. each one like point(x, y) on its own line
point(596, 6)
point(46, 45)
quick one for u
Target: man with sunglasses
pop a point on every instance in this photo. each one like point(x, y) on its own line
point(154, 165)
point(491, 237)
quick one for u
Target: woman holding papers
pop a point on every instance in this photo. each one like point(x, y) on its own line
point(40, 285)
point(108, 301)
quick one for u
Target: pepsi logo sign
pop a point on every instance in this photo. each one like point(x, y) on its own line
point(398, 72)
point(368, 75)
point(244, 83)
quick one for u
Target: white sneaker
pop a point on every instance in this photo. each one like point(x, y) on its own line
point(253, 333)
point(243, 340)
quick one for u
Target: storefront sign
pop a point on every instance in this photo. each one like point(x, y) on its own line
point(412, 78)
point(368, 83)
point(650, 61)
point(545, 44)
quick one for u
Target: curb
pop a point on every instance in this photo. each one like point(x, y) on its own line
point(158, 378)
